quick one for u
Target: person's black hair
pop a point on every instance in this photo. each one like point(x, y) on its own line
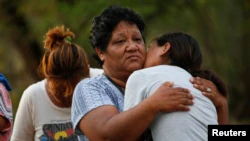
point(104, 24)
point(185, 52)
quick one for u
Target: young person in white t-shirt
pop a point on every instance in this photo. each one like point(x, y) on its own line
point(176, 57)
point(44, 111)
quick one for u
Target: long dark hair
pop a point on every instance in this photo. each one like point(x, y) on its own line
point(185, 53)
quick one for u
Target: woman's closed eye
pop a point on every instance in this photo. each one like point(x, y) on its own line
point(120, 42)
point(138, 39)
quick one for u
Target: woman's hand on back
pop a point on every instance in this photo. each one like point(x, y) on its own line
point(169, 99)
point(210, 90)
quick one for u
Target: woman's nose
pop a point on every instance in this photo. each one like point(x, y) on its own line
point(132, 46)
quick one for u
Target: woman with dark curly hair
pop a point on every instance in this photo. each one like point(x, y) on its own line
point(117, 36)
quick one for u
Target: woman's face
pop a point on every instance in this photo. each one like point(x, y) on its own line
point(126, 51)
point(153, 57)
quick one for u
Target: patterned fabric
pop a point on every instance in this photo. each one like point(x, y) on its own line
point(91, 93)
point(5, 111)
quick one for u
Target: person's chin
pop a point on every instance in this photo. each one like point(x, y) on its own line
point(134, 67)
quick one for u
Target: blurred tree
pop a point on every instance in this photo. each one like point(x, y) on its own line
point(18, 32)
point(239, 89)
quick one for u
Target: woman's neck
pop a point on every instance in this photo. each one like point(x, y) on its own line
point(119, 82)
point(54, 99)
point(119, 79)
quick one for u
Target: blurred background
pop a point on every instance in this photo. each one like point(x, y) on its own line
point(222, 28)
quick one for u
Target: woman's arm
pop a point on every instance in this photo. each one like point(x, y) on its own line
point(209, 89)
point(106, 123)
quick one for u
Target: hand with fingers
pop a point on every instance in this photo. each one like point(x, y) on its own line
point(210, 90)
point(217, 95)
point(169, 99)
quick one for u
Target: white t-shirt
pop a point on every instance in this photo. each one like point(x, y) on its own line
point(38, 119)
point(175, 126)
point(95, 72)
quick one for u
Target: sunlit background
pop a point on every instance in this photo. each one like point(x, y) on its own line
point(222, 28)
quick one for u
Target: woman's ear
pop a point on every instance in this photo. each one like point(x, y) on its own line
point(165, 48)
point(100, 54)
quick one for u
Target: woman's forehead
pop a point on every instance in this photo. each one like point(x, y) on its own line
point(125, 27)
